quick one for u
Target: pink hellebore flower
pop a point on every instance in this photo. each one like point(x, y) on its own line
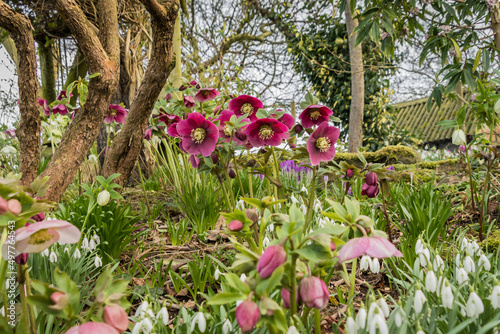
point(115, 316)
point(44, 104)
point(169, 119)
point(235, 226)
point(266, 131)
point(195, 161)
point(148, 134)
point(172, 130)
point(247, 315)
point(63, 95)
point(39, 236)
point(224, 117)
point(60, 109)
point(321, 143)
point(371, 179)
point(198, 134)
point(206, 94)
point(285, 296)
point(116, 113)
point(11, 133)
point(288, 120)
point(314, 293)
point(92, 328)
point(273, 257)
point(372, 246)
point(245, 105)
point(188, 101)
point(314, 115)
point(370, 191)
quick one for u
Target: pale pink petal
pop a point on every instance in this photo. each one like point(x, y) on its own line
point(354, 248)
point(381, 248)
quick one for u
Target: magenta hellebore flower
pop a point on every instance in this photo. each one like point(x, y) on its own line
point(10, 132)
point(148, 134)
point(273, 257)
point(235, 226)
point(245, 105)
point(285, 296)
point(224, 117)
point(198, 134)
point(349, 173)
point(266, 131)
point(115, 316)
point(321, 143)
point(195, 161)
point(60, 109)
point(370, 191)
point(169, 119)
point(44, 104)
point(372, 246)
point(188, 101)
point(63, 95)
point(206, 94)
point(288, 120)
point(314, 115)
point(314, 293)
point(247, 315)
point(371, 178)
point(92, 328)
point(116, 113)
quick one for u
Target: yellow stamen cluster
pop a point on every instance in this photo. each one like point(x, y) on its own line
point(323, 144)
point(314, 114)
point(227, 132)
point(198, 135)
point(247, 109)
point(40, 237)
point(112, 112)
point(266, 132)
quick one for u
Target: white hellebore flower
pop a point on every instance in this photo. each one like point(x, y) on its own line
point(462, 276)
point(399, 316)
point(458, 137)
point(199, 319)
point(45, 252)
point(495, 297)
point(217, 274)
point(419, 301)
point(384, 307)
point(365, 262)
point(77, 254)
point(292, 330)
point(163, 315)
point(351, 326)
point(469, 264)
point(52, 257)
point(227, 327)
point(361, 318)
point(447, 295)
point(438, 263)
point(431, 281)
point(474, 305)
point(375, 266)
point(98, 261)
point(483, 261)
point(378, 322)
point(103, 198)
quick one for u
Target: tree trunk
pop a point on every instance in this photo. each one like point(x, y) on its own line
point(357, 83)
point(47, 70)
point(28, 133)
point(126, 147)
point(495, 25)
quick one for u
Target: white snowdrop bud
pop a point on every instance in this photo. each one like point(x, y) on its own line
point(424, 256)
point(365, 262)
point(420, 332)
point(85, 244)
point(270, 227)
point(463, 312)
point(384, 307)
point(142, 308)
point(419, 301)
point(303, 208)
point(462, 276)
point(484, 262)
point(375, 266)
point(447, 295)
point(464, 244)
point(199, 319)
point(351, 326)
point(52, 257)
point(292, 330)
point(92, 245)
point(469, 264)
point(419, 246)
point(474, 305)
point(430, 281)
point(495, 297)
point(217, 274)
point(474, 247)
point(438, 263)
point(45, 253)
point(66, 250)
point(399, 316)
point(2, 311)
point(304, 189)
point(243, 278)
point(77, 254)
point(293, 199)
point(266, 242)
point(378, 323)
point(361, 318)
point(163, 315)
point(227, 327)
point(97, 261)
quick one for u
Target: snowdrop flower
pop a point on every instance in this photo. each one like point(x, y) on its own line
point(199, 319)
point(424, 256)
point(473, 247)
point(365, 262)
point(317, 206)
point(321, 222)
point(293, 199)
point(270, 228)
point(463, 312)
point(474, 305)
point(217, 274)
point(142, 308)
point(304, 189)
point(77, 254)
point(430, 281)
point(97, 261)
point(163, 315)
point(266, 242)
point(464, 244)
point(469, 264)
point(85, 244)
point(243, 278)
point(372, 311)
point(447, 295)
point(45, 252)
point(384, 307)
point(484, 262)
point(96, 239)
point(420, 332)
point(66, 250)
point(92, 158)
point(227, 327)
point(2, 311)
point(419, 301)
point(303, 208)
point(92, 245)
point(438, 263)
point(52, 257)
point(144, 326)
point(399, 316)
point(375, 266)
point(495, 297)
point(361, 318)
point(240, 205)
point(462, 276)
point(292, 330)
point(419, 246)
point(351, 326)
point(378, 322)
point(457, 260)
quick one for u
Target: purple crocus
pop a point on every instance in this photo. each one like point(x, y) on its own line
point(115, 113)
point(377, 247)
point(314, 115)
point(321, 143)
point(206, 94)
point(199, 135)
point(245, 105)
point(266, 132)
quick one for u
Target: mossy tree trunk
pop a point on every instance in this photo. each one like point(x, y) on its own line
point(47, 68)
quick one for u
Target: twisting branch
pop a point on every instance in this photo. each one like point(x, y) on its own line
point(28, 133)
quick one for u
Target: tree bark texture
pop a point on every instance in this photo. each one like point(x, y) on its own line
point(357, 83)
point(495, 26)
point(126, 146)
point(102, 56)
point(28, 133)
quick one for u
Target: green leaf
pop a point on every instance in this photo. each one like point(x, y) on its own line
point(83, 90)
point(476, 61)
point(235, 282)
point(94, 75)
point(269, 284)
point(254, 202)
point(225, 298)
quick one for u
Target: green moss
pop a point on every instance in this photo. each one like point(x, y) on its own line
point(387, 155)
point(492, 243)
point(419, 175)
point(434, 164)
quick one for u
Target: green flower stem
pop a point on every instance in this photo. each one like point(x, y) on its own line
point(472, 192)
point(277, 174)
point(229, 205)
point(293, 279)
point(261, 231)
point(228, 181)
point(353, 277)
point(312, 194)
point(317, 322)
point(483, 198)
point(30, 307)
point(389, 227)
point(250, 186)
point(24, 303)
point(51, 137)
point(238, 176)
point(305, 314)
point(85, 221)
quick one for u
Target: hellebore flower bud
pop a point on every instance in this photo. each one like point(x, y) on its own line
point(60, 300)
point(39, 217)
point(14, 206)
point(370, 191)
point(22, 258)
point(333, 247)
point(168, 97)
point(215, 158)
point(3, 206)
point(314, 293)
point(273, 257)
point(285, 295)
point(247, 315)
point(115, 316)
point(371, 179)
point(458, 137)
point(235, 226)
point(349, 173)
point(103, 198)
point(232, 173)
point(182, 87)
point(252, 215)
point(148, 133)
point(241, 135)
point(298, 128)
